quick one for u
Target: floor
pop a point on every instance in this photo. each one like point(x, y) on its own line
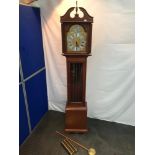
point(108, 138)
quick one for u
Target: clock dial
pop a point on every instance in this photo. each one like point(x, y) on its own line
point(76, 38)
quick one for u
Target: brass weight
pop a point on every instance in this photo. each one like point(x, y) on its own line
point(67, 148)
point(91, 151)
point(71, 144)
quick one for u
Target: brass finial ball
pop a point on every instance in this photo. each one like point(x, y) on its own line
point(91, 151)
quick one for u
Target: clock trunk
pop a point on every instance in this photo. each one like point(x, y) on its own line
point(76, 107)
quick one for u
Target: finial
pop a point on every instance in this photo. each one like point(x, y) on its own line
point(76, 7)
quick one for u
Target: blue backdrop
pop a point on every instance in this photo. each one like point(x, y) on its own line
point(32, 85)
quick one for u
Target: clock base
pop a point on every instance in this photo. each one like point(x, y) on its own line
point(76, 118)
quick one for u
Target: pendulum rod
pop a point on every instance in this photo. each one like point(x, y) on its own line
point(76, 82)
point(80, 83)
point(73, 82)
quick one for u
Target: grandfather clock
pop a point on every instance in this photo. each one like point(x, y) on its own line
point(76, 47)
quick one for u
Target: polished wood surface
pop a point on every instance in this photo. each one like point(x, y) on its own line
point(76, 61)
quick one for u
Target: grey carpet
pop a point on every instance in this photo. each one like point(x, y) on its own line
point(108, 138)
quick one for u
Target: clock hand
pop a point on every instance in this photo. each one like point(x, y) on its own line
point(76, 45)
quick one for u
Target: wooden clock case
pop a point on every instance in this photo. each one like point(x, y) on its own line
point(76, 61)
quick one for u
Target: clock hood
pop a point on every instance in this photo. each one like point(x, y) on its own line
point(67, 18)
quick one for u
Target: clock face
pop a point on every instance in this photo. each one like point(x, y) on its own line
point(76, 39)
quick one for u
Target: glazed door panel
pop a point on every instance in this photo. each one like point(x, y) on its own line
point(76, 82)
point(76, 79)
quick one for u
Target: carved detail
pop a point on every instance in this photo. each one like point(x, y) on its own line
point(86, 17)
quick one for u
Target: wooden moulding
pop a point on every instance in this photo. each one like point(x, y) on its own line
point(76, 117)
point(67, 18)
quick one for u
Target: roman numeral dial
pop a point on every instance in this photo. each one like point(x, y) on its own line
point(76, 39)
